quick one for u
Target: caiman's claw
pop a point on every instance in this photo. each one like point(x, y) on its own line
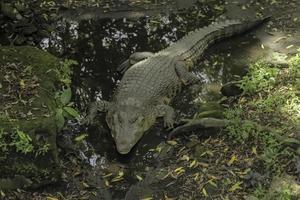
point(169, 120)
point(92, 111)
point(85, 121)
point(169, 124)
point(88, 120)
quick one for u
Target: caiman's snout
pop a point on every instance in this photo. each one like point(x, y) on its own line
point(125, 142)
point(127, 127)
point(123, 149)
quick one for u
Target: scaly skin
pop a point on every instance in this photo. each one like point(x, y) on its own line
point(150, 80)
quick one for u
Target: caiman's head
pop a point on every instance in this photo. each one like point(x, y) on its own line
point(127, 125)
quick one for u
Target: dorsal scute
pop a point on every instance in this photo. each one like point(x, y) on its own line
point(188, 42)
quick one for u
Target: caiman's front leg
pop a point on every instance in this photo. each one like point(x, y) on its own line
point(188, 78)
point(168, 113)
point(133, 58)
point(101, 106)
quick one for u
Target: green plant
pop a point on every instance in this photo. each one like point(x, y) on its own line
point(22, 142)
point(268, 112)
point(64, 109)
point(64, 72)
point(237, 128)
point(262, 193)
point(261, 77)
point(64, 106)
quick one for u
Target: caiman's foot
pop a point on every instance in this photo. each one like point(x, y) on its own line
point(101, 106)
point(187, 78)
point(169, 121)
point(88, 120)
point(168, 113)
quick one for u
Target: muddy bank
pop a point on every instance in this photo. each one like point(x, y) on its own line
point(31, 115)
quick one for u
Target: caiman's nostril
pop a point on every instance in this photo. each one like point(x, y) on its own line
point(122, 147)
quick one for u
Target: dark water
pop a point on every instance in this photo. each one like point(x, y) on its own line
point(99, 46)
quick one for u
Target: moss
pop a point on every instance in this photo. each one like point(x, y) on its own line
point(30, 81)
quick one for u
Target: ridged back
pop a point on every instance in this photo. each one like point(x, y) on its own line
point(194, 43)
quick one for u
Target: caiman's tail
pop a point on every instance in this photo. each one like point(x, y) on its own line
point(194, 43)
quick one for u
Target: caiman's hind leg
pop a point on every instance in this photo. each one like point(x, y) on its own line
point(101, 106)
point(194, 124)
point(133, 58)
point(182, 70)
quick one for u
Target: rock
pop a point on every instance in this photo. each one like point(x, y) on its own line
point(14, 183)
point(20, 6)
point(254, 179)
point(231, 89)
point(280, 185)
point(30, 29)
point(278, 59)
point(199, 151)
point(166, 151)
point(142, 190)
point(10, 12)
point(19, 40)
point(251, 198)
point(31, 80)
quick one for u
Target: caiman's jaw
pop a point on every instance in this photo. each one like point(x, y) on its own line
point(127, 127)
point(125, 144)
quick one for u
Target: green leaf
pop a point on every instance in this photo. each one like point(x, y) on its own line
point(66, 96)
point(81, 137)
point(71, 111)
point(291, 141)
point(60, 120)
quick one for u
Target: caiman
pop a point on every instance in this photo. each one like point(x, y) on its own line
point(150, 80)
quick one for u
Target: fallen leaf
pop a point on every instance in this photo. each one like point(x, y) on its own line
point(147, 198)
point(81, 137)
point(211, 182)
point(139, 177)
point(194, 163)
point(107, 175)
point(236, 186)
point(254, 150)
point(51, 198)
point(172, 142)
point(204, 192)
point(185, 157)
point(232, 160)
point(178, 169)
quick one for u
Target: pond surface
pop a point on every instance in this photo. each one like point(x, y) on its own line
point(99, 46)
